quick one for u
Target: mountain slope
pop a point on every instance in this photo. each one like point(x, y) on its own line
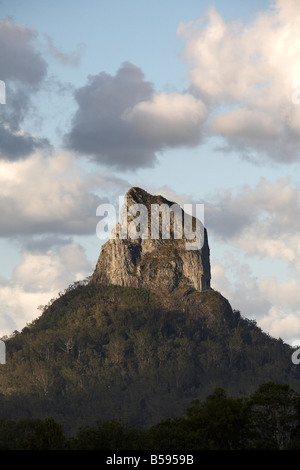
point(118, 352)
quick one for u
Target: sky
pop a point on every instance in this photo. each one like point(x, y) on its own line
point(197, 101)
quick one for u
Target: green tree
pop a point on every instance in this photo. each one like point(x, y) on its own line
point(221, 422)
point(46, 435)
point(274, 415)
point(109, 435)
point(172, 434)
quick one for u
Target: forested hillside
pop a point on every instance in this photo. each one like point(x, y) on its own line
point(118, 352)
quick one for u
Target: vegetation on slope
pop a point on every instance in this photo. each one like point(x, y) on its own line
point(112, 352)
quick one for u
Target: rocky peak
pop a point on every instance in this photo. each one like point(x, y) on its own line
point(156, 245)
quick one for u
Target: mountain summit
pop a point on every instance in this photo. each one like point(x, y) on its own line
point(156, 246)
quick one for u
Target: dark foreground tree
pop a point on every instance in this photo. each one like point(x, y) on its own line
point(275, 416)
point(222, 422)
point(268, 420)
point(47, 435)
point(111, 435)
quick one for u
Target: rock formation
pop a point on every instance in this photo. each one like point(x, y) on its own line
point(159, 264)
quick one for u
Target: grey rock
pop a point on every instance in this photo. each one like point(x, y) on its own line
point(160, 265)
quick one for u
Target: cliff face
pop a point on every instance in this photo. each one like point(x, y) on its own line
point(161, 264)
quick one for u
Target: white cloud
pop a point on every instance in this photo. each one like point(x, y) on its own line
point(38, 279)
point(257, 124)
point(24, 71)
point(283, 294)
point(122, 122)
point(235, 280)
point(18, 307)
point(280, 324)
point(47, 193)
point(173, 118)
point(51, 270)
point(261, 220)
point(245, 74)
point(273, 304)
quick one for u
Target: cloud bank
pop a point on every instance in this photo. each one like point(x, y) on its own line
point(122, 122)
point(47, 194)
point(23, 70)
point(262, 220)
point(245, 75)
point(37, 279)
point(241, 91)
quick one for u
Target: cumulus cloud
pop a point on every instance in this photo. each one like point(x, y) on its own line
point(261, 220)
point(23, 70)
point(20, 61)
point(281, 293)
point(280, 324)
point(245, 74)
point(235, 280)
point(122, 122)
point(19, 307)
point(47, 194)
point(168, 120)
point(273, 304)
point(36, 280)
point(52, 269)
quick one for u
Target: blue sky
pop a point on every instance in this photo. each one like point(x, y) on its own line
point(192, 100)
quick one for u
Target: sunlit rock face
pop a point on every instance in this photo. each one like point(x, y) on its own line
point(155, 248)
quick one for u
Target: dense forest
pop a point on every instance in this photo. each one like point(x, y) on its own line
point(267, 420)
point(106, 353)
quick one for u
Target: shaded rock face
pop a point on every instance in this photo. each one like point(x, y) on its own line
point(161, 264)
